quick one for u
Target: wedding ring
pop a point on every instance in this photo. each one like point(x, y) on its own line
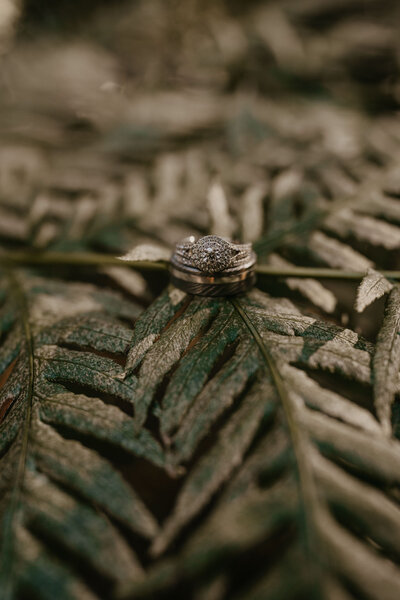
point(212, 266)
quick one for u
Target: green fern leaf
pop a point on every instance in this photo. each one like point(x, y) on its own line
point(260, 445)
point(59, 397)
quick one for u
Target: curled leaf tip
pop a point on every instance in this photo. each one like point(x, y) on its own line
point(373, 286)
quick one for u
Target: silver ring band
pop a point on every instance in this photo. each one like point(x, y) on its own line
point(212, 266)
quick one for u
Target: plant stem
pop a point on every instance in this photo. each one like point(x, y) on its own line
point(13, 258)
point(11, 518)
point(318, 273)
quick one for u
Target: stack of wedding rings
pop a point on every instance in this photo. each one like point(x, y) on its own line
point(212, 266)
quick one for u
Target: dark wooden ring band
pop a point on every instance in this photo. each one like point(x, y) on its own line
point(215, 289)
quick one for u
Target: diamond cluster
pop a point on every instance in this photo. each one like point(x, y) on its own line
point(211, 254)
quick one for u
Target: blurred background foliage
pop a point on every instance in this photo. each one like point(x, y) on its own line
point(117, 119)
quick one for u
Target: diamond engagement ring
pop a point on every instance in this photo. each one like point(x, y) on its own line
point(212, 266)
